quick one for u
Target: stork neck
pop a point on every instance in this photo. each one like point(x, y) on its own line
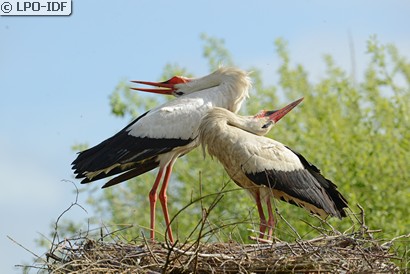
point(219, 123)
point(232, 85)
point(250, 124)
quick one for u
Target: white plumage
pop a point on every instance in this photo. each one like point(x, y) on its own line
point(266, 167)
point(159, 136)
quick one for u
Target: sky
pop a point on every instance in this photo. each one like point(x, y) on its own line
point(57, 72)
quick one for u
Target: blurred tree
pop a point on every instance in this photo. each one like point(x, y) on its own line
point(357, 133)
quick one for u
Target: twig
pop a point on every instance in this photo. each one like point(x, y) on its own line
point(256, 239)
point(149, 248)
point(55, 235)
point(363, 227)
point(289, 225)
point(217, 255)
point(389, 243)
point(26, 249)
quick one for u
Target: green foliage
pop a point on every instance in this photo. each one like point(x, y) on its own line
point(79, 146)
point(357, 133)
point(215, 52)
point(127, 102)
point(171, 70)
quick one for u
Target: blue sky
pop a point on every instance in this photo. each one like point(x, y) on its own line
point(56, 74)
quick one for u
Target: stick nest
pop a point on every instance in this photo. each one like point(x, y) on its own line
point(337, 254)
point(354, 251)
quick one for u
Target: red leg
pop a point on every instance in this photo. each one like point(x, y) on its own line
point(271, 220)
point(163, 199)
point(262, 226)
point(153, 201)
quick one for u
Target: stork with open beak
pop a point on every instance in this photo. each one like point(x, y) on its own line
point(265, 167)
point(161, 135)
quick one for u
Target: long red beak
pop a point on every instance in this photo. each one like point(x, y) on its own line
point(276, 115)
point(166, 87)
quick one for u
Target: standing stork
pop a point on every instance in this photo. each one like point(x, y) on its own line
point(266, 167)
point(161, 135)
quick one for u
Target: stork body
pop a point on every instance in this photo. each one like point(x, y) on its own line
point(161, 135)
point(266, 167)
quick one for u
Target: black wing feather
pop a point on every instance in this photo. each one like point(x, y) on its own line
point(307, 185)
point(329, 186)
point(126, 151)
point(138, 170)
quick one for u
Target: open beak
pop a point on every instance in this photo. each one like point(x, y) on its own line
point(276, 115)
point(166, 87)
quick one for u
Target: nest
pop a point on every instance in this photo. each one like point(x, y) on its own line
point(336, 254)
point(357, 251)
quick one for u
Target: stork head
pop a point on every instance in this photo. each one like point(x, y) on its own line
point(169, 87)
point(269, 118)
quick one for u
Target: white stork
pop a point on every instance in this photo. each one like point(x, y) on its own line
point(266, 167)
point(161, 135)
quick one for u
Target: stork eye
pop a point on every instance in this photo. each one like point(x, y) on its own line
point(267, 124)
point(179, 93)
